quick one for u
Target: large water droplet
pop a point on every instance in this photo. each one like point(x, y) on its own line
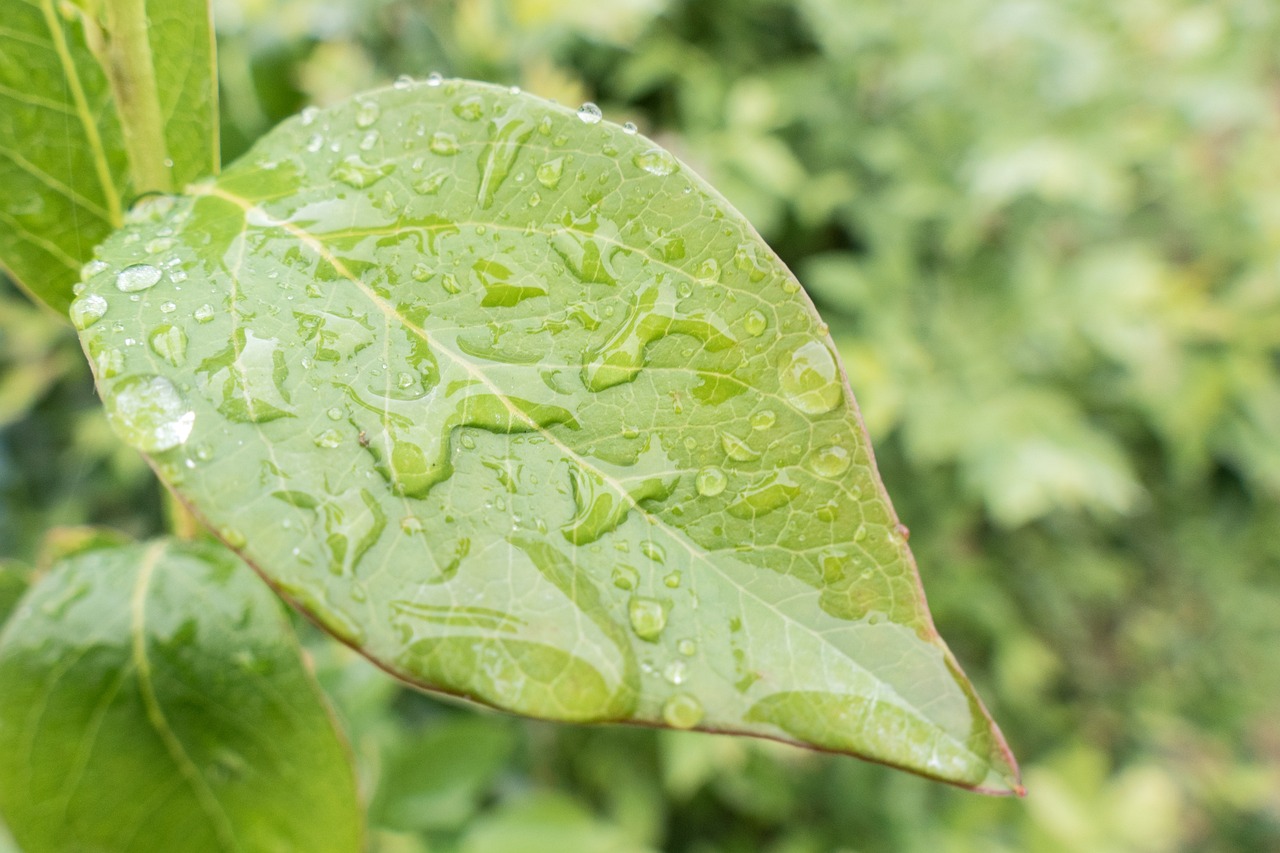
point(830, 461)
point(810, 380)
point(137, 277)
point(149, 413)
point(87, 310)
point(655, 161)
point(682, 711)
point(755, 323)
point(590, 113)
point(648, 617)
point(710, 482)
point(355, 172)
point(170, 343)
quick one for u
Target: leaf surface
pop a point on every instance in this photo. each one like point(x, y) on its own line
point(510, 400)
point(152, 697)
point(68, 162)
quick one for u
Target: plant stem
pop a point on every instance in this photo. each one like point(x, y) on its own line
point(182, 523)
point(130, 69)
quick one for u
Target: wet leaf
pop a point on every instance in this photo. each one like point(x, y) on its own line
point(69, 164)
point(14, 578)
point(510, 400)
point(152, 697)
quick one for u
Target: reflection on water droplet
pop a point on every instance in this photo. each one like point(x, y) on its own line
point(830, 461)
point(676, 672)
point(710, 482)
point(655, 161)
point(648, 617)
point(170, 343)
point(682, 711)
point(87, 310)
point(137, 277)
point(629, 127)
point(444, 144)
point(590, 113)
point(810, 380)
point(149, 413)
point(550, 172)
point(367, 113)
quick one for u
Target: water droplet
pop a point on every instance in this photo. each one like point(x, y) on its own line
point(648, 617)
point(170, 343)
point(747, 258)
point(430, 184)
point(763, 419)
point(755, 323)
point(672, 580)
point(334, 413)
point(434, 78)
point(860, 534)
point(831, 461)
point(234, 538)
point(469, 109)
point(676, 672)
point(550, 172)
point(710, 482)
point(404, 81)
point(355, 172)
point(654, 552)
point(149, 413)
point(329, 438)
point(370, 139)
point(625, 577)
point(534, 199)
point(204, 313)
point(159, 244)
point(309, 115)
point(737, 449)
point(87, 310)
point(811, 381)
point(444, 144)
point(590, 113)
point(655, 161)
point(682, 711)
point(412, 525)
point(367, 113)
point(687, 647)
point(137, 277)
point(450, 283)
point(421, 272)
point(168, 307)
point(629, 127)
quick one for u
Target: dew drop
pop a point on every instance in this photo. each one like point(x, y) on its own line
point(334, 413)
point(444, 144)
point(550, 172)
point(648, 617)
point(430, 184)
point(810, 380)
point(369, 141)
point(204, 313)
point(763, 419)
point(330, 438)
point(168, 307)
point(682, 711)
point(654, 552)
point(137, 277)
point(87, 310)
point(831, 461)
point(404, 81)
point(435, 78)
point(755, 323)
point(149, 413)
point(412, 525)
point(589, 113)
point(421, 272)
point(672, 580)
point(367, 113)
point(737, 449)
point(355, 172)
point(629, 127)
point(747, 258)
point(469, 109)
point(625, 577)
point(676, 672)
point(710, 482)
point(655, 161)
point(309, 115)
point(687, 647)
point(170, 343)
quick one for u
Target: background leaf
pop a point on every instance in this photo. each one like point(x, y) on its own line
point(152, 698)
point(510, 400)
point(65, 161)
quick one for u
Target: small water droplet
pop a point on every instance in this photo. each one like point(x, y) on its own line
point(676, 672)
point(810, 381)
point(404, 81)
point(159, 244)
point(369, 141)
point(450, 283)
point(654, 552)
point(309, 115)
point(589, 113)
point(687, 647)
point(763, 419)
point(204, 313)
point(625, 577)
point(367, 113)
point(421, 272)
point(435, 78)
point(755, 323)
point(469, 109)
point(710, 482)
point(430, 184)
point(355, 172)
point(329, 438)
point(860, 534)
point(550, 172)
point(444, 144)
point(737, 449)
point(831, 461)
point(149, 413)
point(648, 617)
point(170, 343)
point(412, 525)
point(137, 277)
point(682, 711)
point(87, 310)
point(672, 580)
point(629, 127)
point(656, 161)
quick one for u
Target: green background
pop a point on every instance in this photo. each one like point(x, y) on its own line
point(1047, 239)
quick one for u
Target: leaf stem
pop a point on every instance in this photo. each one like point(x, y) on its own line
point(131, 71)
point(182, 522)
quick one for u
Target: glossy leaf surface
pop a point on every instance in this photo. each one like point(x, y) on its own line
point(65, 153)
point(152, 697)
point(510, 400)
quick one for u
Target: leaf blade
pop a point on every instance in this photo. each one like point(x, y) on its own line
point(154, 699)
point(629, 477)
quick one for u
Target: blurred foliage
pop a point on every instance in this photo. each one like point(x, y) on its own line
point(1047, 239)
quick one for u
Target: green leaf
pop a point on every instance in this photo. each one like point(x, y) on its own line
point(152, 697)
point(94, 110)
point(510, 400)
point(14, 578)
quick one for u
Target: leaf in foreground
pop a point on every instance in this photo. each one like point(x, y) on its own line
point(66, 164)
point(152, 698)
point(511, 401)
